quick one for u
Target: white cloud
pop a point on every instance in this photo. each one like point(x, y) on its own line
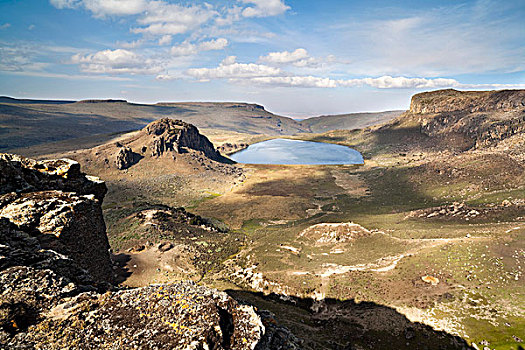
point(286, 56)
point(188, 49)
point(117, 61)
point(165, 40)
point(31, 27)
point(22, 57)
point(264, 8)
point(230, 69)
point(217, 44)
point(184, 49)
point(298, 58)
point(230, 16)
point(131, 44)
point(102, 8)
point(384, 82)
point(62, 4)
point(273, 76)
point(5, 25)
point(388, 82)
point(162, 18)
point(297, 81)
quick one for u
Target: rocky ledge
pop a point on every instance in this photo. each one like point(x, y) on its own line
point(57, 277)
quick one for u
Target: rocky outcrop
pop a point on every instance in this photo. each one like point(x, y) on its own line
point(58, 205)
point(125, 158)
point(56, 274)
point(466, 119)
point(329, 233)
point(177, 316)
point(451, 100)
point(170, 135)
point(19, 174)
point(229, 148)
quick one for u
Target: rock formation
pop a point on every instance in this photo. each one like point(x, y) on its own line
point(125, 158)
point(54, 202)
point(229, 148)
point(170, 135)
point(55, 267)
point(473, 119)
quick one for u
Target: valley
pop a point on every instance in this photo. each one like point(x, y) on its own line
point(420, 247)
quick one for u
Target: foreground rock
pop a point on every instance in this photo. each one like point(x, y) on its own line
point(56, 274)
point(55, 203)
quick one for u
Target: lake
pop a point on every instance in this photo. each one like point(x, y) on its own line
point(285, 151)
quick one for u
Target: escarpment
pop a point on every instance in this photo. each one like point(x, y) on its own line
point(451, 100)
point(57, 277)
point(469, 119)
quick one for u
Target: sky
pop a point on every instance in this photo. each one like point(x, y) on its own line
point(296, 57)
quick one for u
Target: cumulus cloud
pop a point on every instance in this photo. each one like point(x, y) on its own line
point(230, 69)
point(260, 74)
point(264, 8)
point(5, 25)
point(217, 44)
point(286, 56)
point(299, 58)
point(117, 61)
point(188, 49)
point(101, 8)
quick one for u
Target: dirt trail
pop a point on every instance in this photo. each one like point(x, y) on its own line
point(384, 264)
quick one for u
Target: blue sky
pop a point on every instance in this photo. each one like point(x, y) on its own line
point(296, 57)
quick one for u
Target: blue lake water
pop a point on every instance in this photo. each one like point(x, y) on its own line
point(284, 151)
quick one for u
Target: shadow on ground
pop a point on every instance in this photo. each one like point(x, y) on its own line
point(120, 261)
point(345, 324)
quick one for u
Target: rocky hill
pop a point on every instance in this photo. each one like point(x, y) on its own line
point(164, 141)
point(55, 267)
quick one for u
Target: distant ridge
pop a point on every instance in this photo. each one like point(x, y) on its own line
point(348, 121)
point(102, 101)
point(7, 99)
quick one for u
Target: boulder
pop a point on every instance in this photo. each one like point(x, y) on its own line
point(125, 158)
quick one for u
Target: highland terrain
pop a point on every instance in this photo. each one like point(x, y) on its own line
point(422, 247)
